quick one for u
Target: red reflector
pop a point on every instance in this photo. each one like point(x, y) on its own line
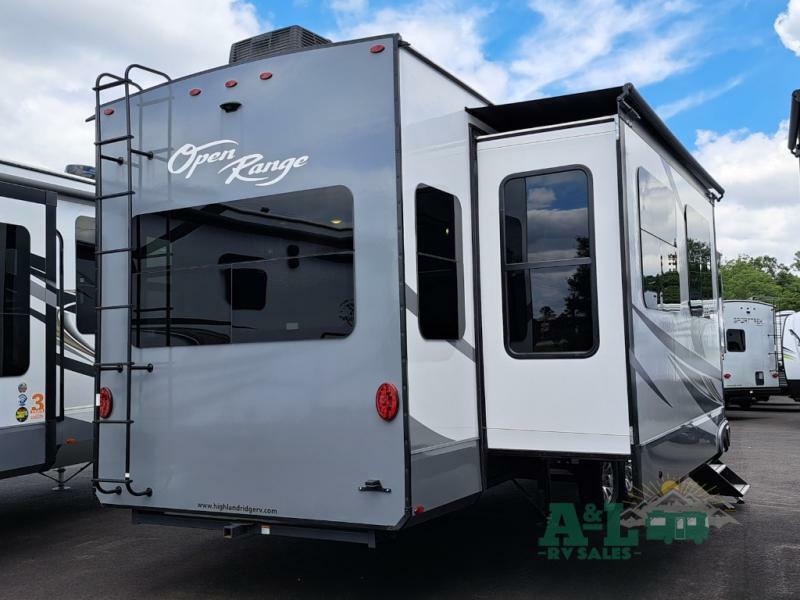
point(106, 403)
point(419, 509)
point(231, 83)
point(108, 112)
point(195, 91)
point(265, 75)
point(377, 48)
point(387, 401)
point(774, 375)
point(727, 376)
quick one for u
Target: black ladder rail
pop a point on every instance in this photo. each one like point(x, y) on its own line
point(128, 365)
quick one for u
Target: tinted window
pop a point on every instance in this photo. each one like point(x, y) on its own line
point(657, 217)
point(440, 309)
point(698, 251)
point(264, 269)
point(15, 245)
point(547, 217)
point(85, 273)
point(548, 265)
point(735, 339)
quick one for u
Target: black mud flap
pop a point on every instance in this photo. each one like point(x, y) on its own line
point(717, 478)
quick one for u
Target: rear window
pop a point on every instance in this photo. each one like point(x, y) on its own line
point(272, 268)
point(15, 272)
point(85, 273)
point(735, 340)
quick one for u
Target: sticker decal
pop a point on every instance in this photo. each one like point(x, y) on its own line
point(22, 414)
point(37, 407)
point(22, 387)
point(22, 399)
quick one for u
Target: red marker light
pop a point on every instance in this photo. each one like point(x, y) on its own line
point(727, 376)
point(265, 75)
point(106, 403)
point(377, 48)
point(195, 92)
point(387, 401)
point(419, 509)
point(774, 375)
point(108, 112)
point(231, 83)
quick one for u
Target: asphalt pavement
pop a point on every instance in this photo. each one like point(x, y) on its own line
point(65, 545)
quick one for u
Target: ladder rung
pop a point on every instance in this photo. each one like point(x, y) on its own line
point(114, 307)
point(107, 86)
point(116, 159)
point(113, 251)
point(121, 138)
point(104, 480)
point(148, 367)
point(148, 154)
point(113, 422)
point(116, 195)
point(110, 366)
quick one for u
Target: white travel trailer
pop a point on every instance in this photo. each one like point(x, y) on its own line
point(47, 361)
point(750, 365)
point(780, 320)
point(791, 354)
point(334, 302)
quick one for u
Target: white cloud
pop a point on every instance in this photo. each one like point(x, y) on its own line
point(51, 52)
point(787, 25)
point(760, 213)
point(671, 109)
point(349, 5)
point(443, 30)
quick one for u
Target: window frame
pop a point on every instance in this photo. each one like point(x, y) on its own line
point(743, 339)
point(78, 292)
point(678, 261)
point(543, 264)
point(694, 310)
point(458, 261)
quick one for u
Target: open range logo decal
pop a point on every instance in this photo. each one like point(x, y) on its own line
point(253, 168)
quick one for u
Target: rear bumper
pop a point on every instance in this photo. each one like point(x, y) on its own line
point(754, 392)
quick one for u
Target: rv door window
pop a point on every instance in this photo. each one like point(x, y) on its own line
point(736, 340)
point(549, 289)
point(271, 268)
point(440, 305)
point(85, 267)
point(15, 270)
point(658, 223)
point(698, 251)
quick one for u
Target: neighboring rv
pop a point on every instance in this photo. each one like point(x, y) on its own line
point(47, 336)
point(750, 366)
point(335, 303)
point(780, 320)
point(791, 354)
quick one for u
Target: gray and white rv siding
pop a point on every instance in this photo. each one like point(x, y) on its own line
point(323, 223)
point(46, 378)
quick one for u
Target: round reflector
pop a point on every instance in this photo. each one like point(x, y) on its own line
point(727, 376)
point(195, 91)
point(106, 403)
point(231, 83)
point(108, 112)
point(774, 375)
point(265, 75)
point(387, 401)
point(377, 48)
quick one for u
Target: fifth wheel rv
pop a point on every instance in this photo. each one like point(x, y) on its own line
point(335, 303)
point(791, 354)
point(47, 336)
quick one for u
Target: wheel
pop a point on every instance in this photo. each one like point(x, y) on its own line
point(605, 482)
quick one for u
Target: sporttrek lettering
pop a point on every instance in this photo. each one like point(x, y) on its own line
point(250, 167)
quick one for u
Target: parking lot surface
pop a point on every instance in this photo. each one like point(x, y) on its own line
point(64, 545)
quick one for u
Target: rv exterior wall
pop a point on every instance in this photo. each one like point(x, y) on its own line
point(751, 333)
point(791, 353)
point(570, 402)
point(675, 326)
point(283, 430)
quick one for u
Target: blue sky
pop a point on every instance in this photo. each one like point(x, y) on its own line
point(734, 53)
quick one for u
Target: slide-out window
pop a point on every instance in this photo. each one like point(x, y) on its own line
point(15, 271)
point(698, 251)
point(439, 286)
point(548, 271)
point(85, 275)
point(735, 339)
point(272, 268)
point(658, 222)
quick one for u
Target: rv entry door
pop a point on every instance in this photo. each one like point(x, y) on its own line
point(27, 329)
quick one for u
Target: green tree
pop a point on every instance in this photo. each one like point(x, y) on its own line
point(762, 277)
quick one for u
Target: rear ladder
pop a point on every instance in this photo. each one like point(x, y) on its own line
point(103, 82)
